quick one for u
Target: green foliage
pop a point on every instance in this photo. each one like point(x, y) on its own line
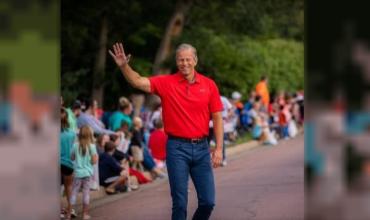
point(237, 62)
point(69, 82)
point(237, 41)
point(255, 18)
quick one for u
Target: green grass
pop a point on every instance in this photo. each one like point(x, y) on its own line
point(241, 139)
point(30, 58)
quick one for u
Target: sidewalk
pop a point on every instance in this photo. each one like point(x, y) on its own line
point(99, 197)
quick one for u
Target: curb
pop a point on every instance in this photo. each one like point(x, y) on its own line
point(249, 145)
point(99, 197)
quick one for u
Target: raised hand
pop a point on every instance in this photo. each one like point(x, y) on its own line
point(119, 55)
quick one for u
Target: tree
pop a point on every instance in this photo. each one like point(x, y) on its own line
point(237, 41)
point(99, 68)
point(173, 30)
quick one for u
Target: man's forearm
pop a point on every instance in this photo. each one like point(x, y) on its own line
point(135, 79)
point(130, 75)
point(218, 129)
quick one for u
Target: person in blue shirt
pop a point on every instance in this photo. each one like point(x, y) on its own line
point(121, 115)
point(84, 155)
point(87, 118)
point(112, 174)
point(67, 138)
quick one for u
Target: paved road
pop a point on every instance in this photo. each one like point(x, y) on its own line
point(263, 183)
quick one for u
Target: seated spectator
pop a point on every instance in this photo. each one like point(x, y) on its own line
point(283, 122)
point(100, 143)
point(137, 136)
point(111, 174)
point(137, 143)
point(158, 142)
point(260, 129)
point(118, 155)
point(245, 120)
point(125, 136)
point(257, 128)
point(122, 114)
point(97, 112)
point(124, 159)
point(155, 115)
point(87, 118)
point(268, 136)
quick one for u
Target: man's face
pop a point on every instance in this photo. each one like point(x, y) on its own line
point(185, 61)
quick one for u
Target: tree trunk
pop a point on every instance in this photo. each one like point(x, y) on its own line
point(137, 103)
point(174, 29)
point(99, 68)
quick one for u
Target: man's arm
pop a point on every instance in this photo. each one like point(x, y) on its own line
point(131, 76)
point(219, 135)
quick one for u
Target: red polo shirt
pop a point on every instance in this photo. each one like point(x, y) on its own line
point(186, 108)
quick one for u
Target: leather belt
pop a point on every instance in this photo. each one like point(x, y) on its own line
point(188, 140)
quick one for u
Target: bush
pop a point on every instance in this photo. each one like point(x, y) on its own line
point(237, 62)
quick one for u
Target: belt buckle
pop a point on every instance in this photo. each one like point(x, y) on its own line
point(194, 141)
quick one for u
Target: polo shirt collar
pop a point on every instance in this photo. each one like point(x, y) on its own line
point(182, 79)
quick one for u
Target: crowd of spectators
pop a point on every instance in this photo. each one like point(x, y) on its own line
point(108, 150)
point(117, 151)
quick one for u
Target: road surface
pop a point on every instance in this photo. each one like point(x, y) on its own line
point(262, 183)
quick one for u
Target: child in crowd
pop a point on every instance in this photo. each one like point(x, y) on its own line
point(67, 138)
point(140, 151)
point(261, 130)
point(157, 143)
point(100, 142)
point(125, 137)
point(113, 175)
point(283, 122)
point(123, 159)
point(84, 156)
point(136, 146)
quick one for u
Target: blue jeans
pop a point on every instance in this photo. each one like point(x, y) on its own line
point(148, 162)
point(184, 158)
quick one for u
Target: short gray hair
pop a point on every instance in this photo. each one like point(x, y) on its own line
point(187, 47)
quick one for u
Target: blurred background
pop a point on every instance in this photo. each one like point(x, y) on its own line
point(51, 48)
point(29, 87)
point(337, 137)
point(237, 42)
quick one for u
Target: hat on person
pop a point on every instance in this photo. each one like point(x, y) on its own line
point(236, 95)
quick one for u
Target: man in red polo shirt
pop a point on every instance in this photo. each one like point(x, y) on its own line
point(189, 101)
